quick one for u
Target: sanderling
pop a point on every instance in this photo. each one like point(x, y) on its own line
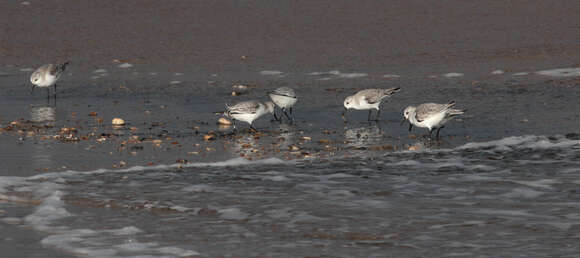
point(368, 99)
point(284, 98)
point(46, 76)
point(248, 111)
point(430, 115)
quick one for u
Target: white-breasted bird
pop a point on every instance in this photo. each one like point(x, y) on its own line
point(431, 115)
point(248, 111)
point(368, 99)
point(284, 98)
point(46, 76)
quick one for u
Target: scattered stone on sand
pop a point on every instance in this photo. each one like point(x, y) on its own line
point(209, 137)
point(118, 121)
point(224, 121)
point(414, 148)
point(239, 89)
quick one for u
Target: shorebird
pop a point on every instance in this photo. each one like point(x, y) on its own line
point(248, 111)
point(46, 76)
point(284, 98)
point(430, 116)
point(367, 100)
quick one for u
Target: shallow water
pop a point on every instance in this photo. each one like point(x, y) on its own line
point(502, 181)
point(510, 197)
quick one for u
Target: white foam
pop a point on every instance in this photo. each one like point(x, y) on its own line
point(523, 193)
point(177, 251)
point(391, 76)
point(228, 163)
point(135, 246)
point(560, 72)
point(100, 71)
point(201, 188)
point(542, 183)
point(462, 224)
point(520, 74)
point(28, 69)
point(233, 214)
point(452, 75)
point(125, 65)
point(278, 178)
point(334, 72)
point(50, 210)
point(174, 82)
point(270, 72)
point(352, 75)
point(497, 72)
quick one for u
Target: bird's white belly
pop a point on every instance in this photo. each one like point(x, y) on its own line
point(434, 120)
point(48, 80)
point(283, 101)
point(363, 105)
point(248, 118)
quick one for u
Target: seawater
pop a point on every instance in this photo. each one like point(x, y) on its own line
point(516, 196)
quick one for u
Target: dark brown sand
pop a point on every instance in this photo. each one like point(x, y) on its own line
point(212, 36)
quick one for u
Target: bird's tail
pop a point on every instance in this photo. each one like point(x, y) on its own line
point(227, 111)
point(391, 91)
point(63, 66)
point(453, 111)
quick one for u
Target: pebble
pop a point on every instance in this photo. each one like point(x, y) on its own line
point(118, 121)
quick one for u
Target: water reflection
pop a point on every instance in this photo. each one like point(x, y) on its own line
point(287, 136)
point(364, 137)
point(42, 113)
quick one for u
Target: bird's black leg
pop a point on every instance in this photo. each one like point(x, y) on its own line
point(235, 128)
point(286, 114)
point(439, 129)
point(48, 92)
point(430, 134)
point(54, 93)
point(378, 114)
point(32, 90)
point(369, 117)
point(252, 128)
point(292, 114)
point(410, 126)
point(276, 117)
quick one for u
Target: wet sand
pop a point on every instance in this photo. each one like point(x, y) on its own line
point(185, 56)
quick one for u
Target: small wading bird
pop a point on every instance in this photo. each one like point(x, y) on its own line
point(46, 76)
point(367, 100)
point(284, 98)
point(430, 116)
point(248, 111)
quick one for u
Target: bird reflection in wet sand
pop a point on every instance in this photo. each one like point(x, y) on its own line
point(287, 136)
point(42, 114)
point(364, 137)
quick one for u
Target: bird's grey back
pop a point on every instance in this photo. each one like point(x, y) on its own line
point(376, 95)
point(245, 107)
point(284, 91)
point(56, 70)
point(427, 109)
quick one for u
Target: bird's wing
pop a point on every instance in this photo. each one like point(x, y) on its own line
point(373, 96)
point(423, 111)
point(246, 107)
point(284, 91)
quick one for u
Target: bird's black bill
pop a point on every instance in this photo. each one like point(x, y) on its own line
point(410, 126)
